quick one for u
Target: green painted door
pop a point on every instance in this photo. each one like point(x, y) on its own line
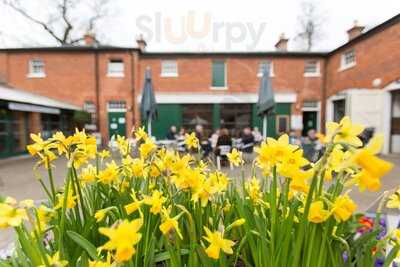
point(168, 115)
point(282, 114)
point(5, 136)
point(116, 123)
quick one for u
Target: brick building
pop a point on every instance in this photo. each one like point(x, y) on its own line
point(359, 78)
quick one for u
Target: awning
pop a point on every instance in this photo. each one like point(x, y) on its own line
point(33, 102)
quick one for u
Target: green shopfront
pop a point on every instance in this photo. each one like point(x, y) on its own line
point(214, 111)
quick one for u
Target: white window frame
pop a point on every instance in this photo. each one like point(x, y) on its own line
point(271, 68)
point(343, 64)
point(166, 73)
point(226, 77)
point(110, 72)
point(31, 68)
point(317, 72)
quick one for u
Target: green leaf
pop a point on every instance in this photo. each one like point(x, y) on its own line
point(4, 264)
point(166, 255)
point(84, 243)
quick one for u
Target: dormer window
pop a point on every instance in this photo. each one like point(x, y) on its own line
point(36, 68)
point(348, 59)
point(264, 64)
point(115, 68)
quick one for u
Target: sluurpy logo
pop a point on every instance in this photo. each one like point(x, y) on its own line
point(200, 27)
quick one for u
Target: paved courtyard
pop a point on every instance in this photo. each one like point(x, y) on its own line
point(19, 181)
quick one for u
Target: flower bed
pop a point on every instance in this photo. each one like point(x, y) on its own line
point(167, 209)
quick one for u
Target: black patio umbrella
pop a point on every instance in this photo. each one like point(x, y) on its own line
point(148, 105)
point(266, 102)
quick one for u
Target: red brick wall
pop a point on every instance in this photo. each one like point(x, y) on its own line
point(70, 77)
point(377, 56)
point(195, 75)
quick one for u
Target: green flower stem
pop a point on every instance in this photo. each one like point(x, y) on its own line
point(63, 215)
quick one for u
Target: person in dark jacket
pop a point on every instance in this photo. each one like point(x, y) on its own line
point(247, 140)
point(171, 134)
point(224, 139)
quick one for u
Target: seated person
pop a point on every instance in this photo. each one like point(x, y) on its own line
point(171, 134)
point(247, 140)
point(224, 139)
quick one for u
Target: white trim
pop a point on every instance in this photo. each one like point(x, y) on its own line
point(115, 75)
point(32, 108)
point(343, 65)
point(36, 75)
point(222, 88)
point(346, 67)
point(271, 70)
point(210, 98)
point(169, 74)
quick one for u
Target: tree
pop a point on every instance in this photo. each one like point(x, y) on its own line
point(66, 21)
point(310, 26)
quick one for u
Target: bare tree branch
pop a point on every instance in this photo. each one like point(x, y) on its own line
point(61, 25)
point(310, 25)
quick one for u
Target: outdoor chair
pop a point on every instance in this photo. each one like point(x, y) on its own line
point(223, 152)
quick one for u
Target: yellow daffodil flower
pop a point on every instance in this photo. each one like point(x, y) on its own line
point(394, 200)
point(345, 131)
point(217, 243)
point(71, 200)
point(88, 174)
point(253, 189)
point(235, 157)
point(110, 174)
point(372, 167)
point(169, 224)
point(55, 261)
point(133, 206)
point(123, 238)
point(317, 213)
point(141, 134)
point(155, 201)
point(191, 141)
point(147, 148)
point(104, 154)
point(343, 208)
point(100, 215)
point(11, 216)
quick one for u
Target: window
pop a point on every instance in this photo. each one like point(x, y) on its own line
point(115, 68)
point(194, 114)
point(36, 68)
point(348, 59)
point(169, 68)
point(282, 124)
point(218, 74)
point(311, 68)
point(263, 65)
point(235, 117)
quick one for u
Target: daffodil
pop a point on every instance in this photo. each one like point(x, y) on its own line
point(141, 134)
point(11, 216)
point(55, 261)
point(71, 200)
point(317, 212)
point(272, 152)
point(123, 238)
point(100, 215)
point(133, 206)
point(45, 214)
point(372, 167)
point(394, 200)
point(191, 141)
point(217, 243)
point(88, 174)
point(235, 157)
point(146, 148)
point(104, 154)
point(110, 174)
point(253, 189)
point(169, 224)
point(345, 131)
point(155, 201)
point(343, 208)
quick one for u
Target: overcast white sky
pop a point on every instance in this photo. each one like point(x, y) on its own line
point(238, 19)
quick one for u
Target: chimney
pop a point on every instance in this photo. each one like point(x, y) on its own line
point(355, 31)
point(89, 39)
point(141, 43)
point(282, 43)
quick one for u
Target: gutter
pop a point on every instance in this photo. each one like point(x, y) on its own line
point(97, 88)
